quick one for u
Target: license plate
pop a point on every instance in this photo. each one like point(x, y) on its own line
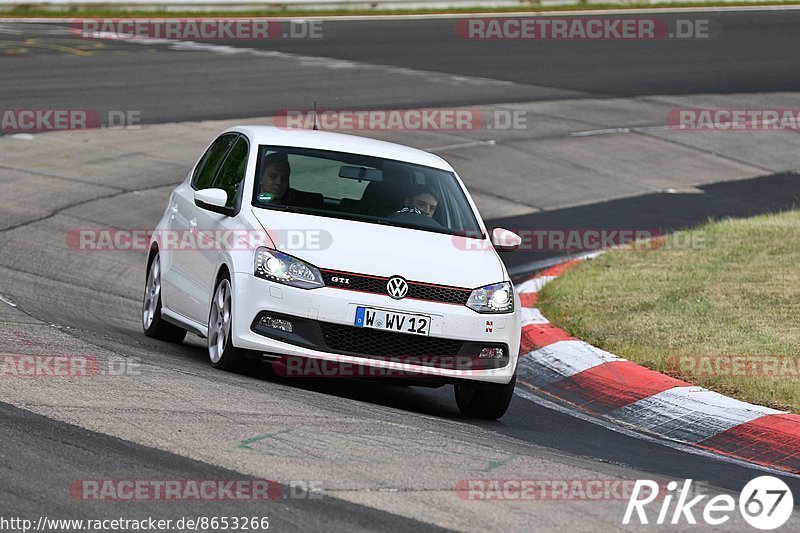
point(366, 317)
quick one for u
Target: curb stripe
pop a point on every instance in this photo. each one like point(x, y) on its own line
point(557, 270)
point(532, 316)
point(600, 383)
point(689, 414)
point(559, 360)
point(772, 440)
point(611, 386)
point(534, 285)
point(527, 299)
point(535, 336)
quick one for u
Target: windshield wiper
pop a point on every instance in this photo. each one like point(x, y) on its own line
point(279, 207)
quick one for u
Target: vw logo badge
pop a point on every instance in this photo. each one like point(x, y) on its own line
point(397, 287)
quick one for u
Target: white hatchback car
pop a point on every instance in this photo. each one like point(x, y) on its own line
point(305, 245)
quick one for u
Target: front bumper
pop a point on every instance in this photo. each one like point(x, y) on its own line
point(323, 316)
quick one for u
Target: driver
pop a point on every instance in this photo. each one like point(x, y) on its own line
point(275, 178)
point(274, 188)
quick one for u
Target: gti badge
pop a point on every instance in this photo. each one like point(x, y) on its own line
point(343, 281)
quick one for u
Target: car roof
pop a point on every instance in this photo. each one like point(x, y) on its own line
point(339, 142)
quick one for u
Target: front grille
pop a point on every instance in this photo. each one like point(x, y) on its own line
point(437, 293)
point(416, 290)
point(374, 343)
point(386, 345)
point(356, 282)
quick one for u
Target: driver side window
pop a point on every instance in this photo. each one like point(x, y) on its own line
point(209, 165)
point(231, 174)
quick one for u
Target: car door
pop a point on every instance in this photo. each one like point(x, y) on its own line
point(180, 289)
point(214, 228)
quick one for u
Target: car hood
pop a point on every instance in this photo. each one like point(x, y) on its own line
point(376, 249)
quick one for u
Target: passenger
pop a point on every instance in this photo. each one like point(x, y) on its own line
point(419, 208)
point(422, 201)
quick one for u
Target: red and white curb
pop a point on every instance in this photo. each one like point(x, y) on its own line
point(606, 386)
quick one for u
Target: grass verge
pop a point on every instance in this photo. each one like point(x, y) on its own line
point(717, 306)
point(89, 10)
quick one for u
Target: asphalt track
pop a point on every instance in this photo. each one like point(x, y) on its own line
point(60, 453)
point(94, 301)
point(746, 52)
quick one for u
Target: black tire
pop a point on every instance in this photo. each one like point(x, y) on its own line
point(222, 353)
point(153, 324)
point(489, 402)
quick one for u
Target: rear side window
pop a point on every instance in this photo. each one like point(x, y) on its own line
point(231, 174)
point(207, 167)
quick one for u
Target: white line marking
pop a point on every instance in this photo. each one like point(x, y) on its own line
point(463, 145)
point(722, 126)
point(634, 129)
point(4, 29)
point(617, 428)
point(589, 133)
point(312, 61)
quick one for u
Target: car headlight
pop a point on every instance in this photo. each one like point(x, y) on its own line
point(494, 298)
point(282, 268)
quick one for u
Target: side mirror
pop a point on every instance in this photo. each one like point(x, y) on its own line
point(213, 200)
point(505, 240)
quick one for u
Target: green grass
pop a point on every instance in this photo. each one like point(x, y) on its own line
point(735, 291)
point(88, 10)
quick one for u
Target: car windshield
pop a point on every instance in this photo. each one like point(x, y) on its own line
point(365, 188)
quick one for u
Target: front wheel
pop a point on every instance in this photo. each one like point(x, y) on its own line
point(152, 322)
point(489, 402)
point(221, 351)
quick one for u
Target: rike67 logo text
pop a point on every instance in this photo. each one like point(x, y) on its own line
point(766, 503)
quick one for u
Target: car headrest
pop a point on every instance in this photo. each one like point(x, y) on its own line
point(381, 199)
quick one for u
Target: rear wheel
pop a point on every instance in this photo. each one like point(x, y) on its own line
point(152, 322)
point(489, 402)
point(221, 351)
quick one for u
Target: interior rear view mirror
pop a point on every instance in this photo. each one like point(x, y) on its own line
point(360, 173)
